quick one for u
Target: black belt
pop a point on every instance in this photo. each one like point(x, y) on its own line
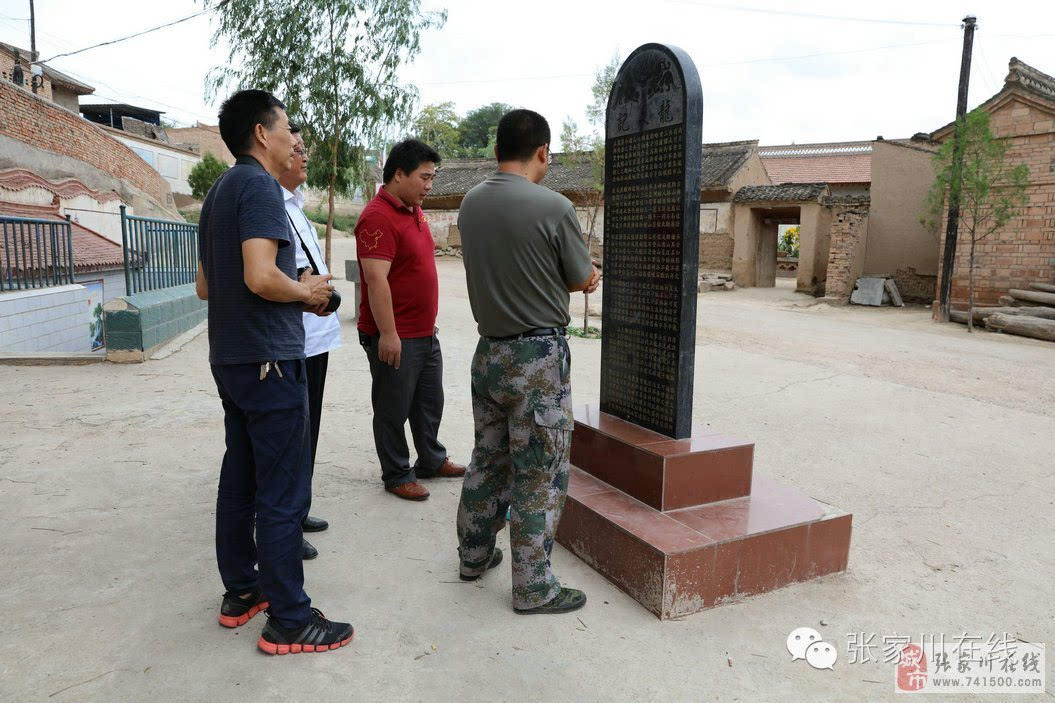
point(537, 332)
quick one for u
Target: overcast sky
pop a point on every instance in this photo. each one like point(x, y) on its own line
point(812, 71)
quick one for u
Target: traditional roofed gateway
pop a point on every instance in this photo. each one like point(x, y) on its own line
point(1023, 252)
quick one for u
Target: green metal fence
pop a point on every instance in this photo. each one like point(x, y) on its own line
point(158, 253)
point(35, 253)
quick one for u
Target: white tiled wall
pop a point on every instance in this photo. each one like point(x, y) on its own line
point(46, 319)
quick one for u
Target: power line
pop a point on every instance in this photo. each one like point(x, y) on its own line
point(810, 15)
point(826, 53)
point(702, 65)
point(139, 34)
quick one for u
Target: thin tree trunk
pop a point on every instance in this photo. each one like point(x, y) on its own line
point(333, 156)
point(970, 288)
point(592, 215)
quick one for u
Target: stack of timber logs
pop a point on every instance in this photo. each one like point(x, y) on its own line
point(1029, 313)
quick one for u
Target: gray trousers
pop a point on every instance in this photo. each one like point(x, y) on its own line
point(412, 392)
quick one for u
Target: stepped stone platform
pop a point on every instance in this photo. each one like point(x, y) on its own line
point(684, 525)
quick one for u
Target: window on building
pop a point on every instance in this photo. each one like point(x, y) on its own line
point(168, 166)
point(145, 154)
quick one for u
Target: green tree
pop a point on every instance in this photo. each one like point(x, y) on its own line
point(603, 78)
point(335, 64)
point(204, 174)
point(570, 139)
point(437, 126)
point(991, 190)
point(477, 128)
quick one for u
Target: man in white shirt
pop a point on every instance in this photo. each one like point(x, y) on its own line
point(321, 333)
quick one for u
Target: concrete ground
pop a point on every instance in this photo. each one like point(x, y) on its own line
point(940, 443)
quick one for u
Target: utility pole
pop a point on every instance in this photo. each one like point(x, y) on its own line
point(953, 223)
point(32, 32)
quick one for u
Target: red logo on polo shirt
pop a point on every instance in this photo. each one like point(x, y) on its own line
point(370, 239)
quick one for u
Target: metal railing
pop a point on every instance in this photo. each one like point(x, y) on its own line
point(36, 253)
point(158, 253)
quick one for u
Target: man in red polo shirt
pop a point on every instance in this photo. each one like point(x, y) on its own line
point(397, 322)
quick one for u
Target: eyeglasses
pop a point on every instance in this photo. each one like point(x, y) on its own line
point(302, 153)
point(549, 154)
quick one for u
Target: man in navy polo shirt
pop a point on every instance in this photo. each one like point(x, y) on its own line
point(247, 273)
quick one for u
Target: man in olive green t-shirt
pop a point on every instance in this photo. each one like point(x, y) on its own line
point(523, 252)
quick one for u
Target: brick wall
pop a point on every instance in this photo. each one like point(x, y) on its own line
point(29, 118)
point(206, 138)
point(915, 287)
point(1024, 251)
point(848, 231)
point(7, 66)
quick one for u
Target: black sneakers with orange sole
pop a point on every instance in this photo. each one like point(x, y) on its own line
point(318, 635)
point(237, 610)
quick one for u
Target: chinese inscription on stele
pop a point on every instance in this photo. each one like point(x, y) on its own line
point(651, 240)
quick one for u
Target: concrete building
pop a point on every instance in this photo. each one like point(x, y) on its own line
point(140, 129)
point(1023, 252)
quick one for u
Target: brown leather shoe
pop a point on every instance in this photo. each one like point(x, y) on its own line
point(450, 470)
point(409, 491)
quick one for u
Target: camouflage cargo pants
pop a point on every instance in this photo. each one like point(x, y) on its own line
point(523, 417)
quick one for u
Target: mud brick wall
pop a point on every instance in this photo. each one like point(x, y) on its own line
point(846, 255)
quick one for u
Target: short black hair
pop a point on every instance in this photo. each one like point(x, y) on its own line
point(241, 113)
point(407, 156)
point(520, 133)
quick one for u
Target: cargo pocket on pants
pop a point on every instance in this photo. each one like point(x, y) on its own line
point(554, 426)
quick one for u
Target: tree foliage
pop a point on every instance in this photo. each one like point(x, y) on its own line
point(603, 78)
point(334, 63)
point(974, 170)
point(204, 174)
point(477, 128)
point(437, 126)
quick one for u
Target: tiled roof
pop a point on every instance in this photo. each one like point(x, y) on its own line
point(457, 176)
point(574, 172)
point(785, 193)
point(844, 168)
point(1030, 78)
point(720, 162)
point(91, 251)
point(70, 82)
point(1019, 75)
point(569, 173)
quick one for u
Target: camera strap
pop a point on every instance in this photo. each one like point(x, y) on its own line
point(303, 245)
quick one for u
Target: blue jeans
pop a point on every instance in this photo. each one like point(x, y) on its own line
point(265, 479)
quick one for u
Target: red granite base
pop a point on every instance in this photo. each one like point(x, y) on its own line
point(683, 560)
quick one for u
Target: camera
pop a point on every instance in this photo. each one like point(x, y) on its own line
point(335, 297)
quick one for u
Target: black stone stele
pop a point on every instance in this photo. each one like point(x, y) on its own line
point(651, 240)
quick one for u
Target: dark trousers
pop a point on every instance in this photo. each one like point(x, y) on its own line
point(265, 479)
point(317, 366)
point(412, 392)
